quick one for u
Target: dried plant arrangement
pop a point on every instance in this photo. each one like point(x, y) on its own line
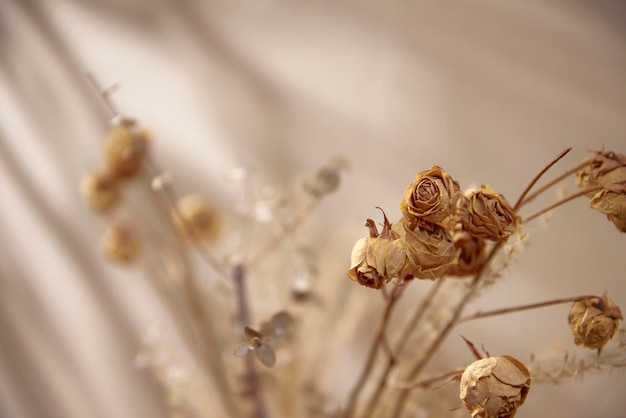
point(256, 313)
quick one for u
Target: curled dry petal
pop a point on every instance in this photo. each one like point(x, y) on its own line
point(594, 321)
point(613, 205)
point(431, 198)
point(605, 168)
point(494, 387)
point(431, 253)
point(375, 261)
point(486, 214)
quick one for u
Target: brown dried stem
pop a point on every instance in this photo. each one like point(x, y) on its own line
point(532, 183)
point(560, 202)
point(554, 181)
point(424, 383)
point(513, 309)
point(404, 335)
point(377, 343)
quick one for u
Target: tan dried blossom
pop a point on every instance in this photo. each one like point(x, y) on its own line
point(594, 321)
point(431, 198)
point(486, 214)
point(472, 252)
point(431, 254)
point(377, 259)
point(494, 387)
point(196, 219)
point(124, 148)
point(613, 205)
point(99, 191)
point(121, 244)
point(605, 168)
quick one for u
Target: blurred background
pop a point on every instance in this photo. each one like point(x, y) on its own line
point(489, 90)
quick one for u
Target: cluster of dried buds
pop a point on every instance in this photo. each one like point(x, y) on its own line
point(125, 149)
point(606, 176)
point(125, 146)
point(442, 232)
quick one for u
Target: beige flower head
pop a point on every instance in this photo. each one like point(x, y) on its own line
point(431, 253)
point(494, 387)
point(431, 198)
point(484, 213)
point(594, 321)
point(124, 148)
point(377, 259)
point(121, 244)
point(196, 219)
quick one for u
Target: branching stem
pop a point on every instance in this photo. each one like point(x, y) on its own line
point(560, 202)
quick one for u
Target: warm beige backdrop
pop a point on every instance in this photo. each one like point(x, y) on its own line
point(490, 90)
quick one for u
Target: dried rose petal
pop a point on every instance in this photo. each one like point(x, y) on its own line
point(613, 205)
point(486, 214)
point(494, 387)
point(604, 169)
point(431, 198)
point(594, 321)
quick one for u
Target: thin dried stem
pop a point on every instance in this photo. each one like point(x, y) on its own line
point(404, 335)
point(513, 309)
point(429, 381)
point(554, 181)
point(538, 176)
point(376, 345)
point(560, 202)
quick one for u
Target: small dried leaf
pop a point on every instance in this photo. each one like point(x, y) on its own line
point(266, 355)
point(241, 350)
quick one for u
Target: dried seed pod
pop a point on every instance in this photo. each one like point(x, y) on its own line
point(121, 244)
point(196, 219)
point(494, 387)
point(594, 321)
point(431, 254)
point(431, 198)
point(484, 213)
point(99, 191)
point(124, 149)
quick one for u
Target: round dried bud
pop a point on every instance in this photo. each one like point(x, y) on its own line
point(196, 219)
point(375, 261)
point(431, 198)
point(472, 254)
point(484, 213)
point(431, 254)
point(594, 321)
point(124, 148)
point(100, 192)
point(494, 387)
point(613, 205)
point(120, 243)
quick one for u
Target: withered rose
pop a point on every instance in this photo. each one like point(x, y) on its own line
point(472, 252)
point(605, 168)
point(486, 214)
point(594, 321)
point(431, 253)
point(431, 198)
point(494, 387)
point(375, 261)
point(613, 205)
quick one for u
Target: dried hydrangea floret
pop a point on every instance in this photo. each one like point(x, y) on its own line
point(594, 321)
point(494, 387)
point(484, 213)
point(431, 198)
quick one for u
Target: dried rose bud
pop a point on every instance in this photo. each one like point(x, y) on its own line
point(613, 205)
point(494, 387)
point(486, 214)
point(472, 254)
point(431, 253)
point(375, 261)
point(594, 321)
point(99, 191)
point(431, 198)
point(120, 243)
point(605, 168)
point(124, 148)
point(196, 219)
